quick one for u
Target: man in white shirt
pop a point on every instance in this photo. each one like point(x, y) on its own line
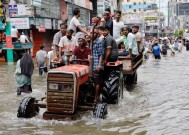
point(67, 42)
point(41, 57)
point(117, 25)
point(24, 38)
point(75, 24)
point(132, 43)
point(14, 34)
point(50, 55)
point(138, 35)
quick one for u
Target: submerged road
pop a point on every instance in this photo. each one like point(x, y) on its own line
point(157, 104)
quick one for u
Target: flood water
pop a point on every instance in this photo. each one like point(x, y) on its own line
point(157, 104)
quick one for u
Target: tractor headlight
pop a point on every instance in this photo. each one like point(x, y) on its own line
point(53, 86)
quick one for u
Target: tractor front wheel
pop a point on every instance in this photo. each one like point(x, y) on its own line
point(100, 110)
point(27, 109)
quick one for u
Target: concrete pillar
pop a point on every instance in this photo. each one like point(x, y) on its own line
point(9, 42)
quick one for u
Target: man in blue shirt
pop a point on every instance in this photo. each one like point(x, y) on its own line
point(98, 64)
point(156, 50)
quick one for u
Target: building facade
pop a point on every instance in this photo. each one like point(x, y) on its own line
point(85, 6)
point(112, 4)
point(40, 19)
point(178, 11)
point(138, 6)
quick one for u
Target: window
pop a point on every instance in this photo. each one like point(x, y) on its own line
point(147, 27)
point(134, 3)
point(130, 6)
point(155, 27)
point(134, 10)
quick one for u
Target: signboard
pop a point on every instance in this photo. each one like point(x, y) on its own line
point(20, 23)
point(48, 24)
point(13, 9)
point(150, 18)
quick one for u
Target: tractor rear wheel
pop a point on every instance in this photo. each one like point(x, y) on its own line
point(27, 109)
point(112, 89)
point(100, 110)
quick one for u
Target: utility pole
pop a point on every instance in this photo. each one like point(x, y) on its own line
point(143, 19)
point(158, 34)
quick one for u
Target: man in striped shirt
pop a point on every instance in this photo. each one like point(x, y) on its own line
point(98, 64)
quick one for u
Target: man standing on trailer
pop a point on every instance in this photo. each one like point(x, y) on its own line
point(135, 30)
point(57, 37)
point(76, 25)
point(110, 46)
point(109, 22)
point(117, 25)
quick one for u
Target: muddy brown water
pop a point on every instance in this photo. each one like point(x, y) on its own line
point(158, 104)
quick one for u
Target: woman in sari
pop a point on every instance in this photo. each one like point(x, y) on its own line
point(23, 74)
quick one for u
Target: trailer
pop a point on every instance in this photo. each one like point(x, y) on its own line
point(130, 66)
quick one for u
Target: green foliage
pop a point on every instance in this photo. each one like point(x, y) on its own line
point(179, 33)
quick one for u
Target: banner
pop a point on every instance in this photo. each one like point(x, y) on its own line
point(20, 23)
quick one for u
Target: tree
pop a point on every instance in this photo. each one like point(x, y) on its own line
point(179, 33)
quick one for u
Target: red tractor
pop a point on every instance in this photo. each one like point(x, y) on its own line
point(70, 89)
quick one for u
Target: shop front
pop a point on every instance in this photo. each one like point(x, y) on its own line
point(39, 30)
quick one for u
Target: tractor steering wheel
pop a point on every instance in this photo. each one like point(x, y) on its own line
point(80, 62)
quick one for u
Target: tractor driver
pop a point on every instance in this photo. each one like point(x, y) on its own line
point(82, 52)
point(110, 46)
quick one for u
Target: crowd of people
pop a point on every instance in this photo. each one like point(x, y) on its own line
point(103, 42)
point(100, 43)
point(161, 46)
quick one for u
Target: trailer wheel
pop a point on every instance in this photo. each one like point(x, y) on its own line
point(100, 110)
point(27, 109)
point(130, 79)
